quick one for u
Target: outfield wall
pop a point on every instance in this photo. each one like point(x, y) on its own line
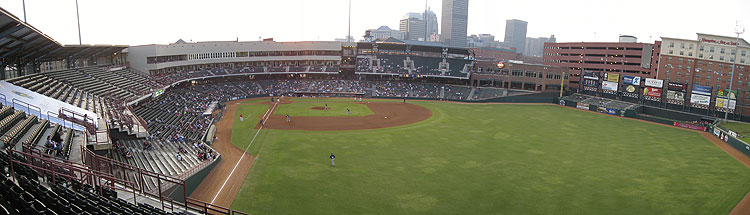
point(730, 140)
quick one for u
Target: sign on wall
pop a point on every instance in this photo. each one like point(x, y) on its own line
point(654, 83)
point(703, 90)
point(612, 77)
point(631, 80)
point(609, 85)
point(653, 92)
point(725, 93)
point(676, 86)
point(725, 103)
point(700, 99)
point(675, 95)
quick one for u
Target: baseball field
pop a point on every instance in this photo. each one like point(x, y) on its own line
point(453, 158)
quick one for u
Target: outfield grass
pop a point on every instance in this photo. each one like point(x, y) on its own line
point(335, 109)
point(743, 129)
point(494, 159)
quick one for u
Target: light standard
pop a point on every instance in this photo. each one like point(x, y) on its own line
point(737, 30)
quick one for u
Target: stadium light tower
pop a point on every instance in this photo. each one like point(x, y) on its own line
point(24, 10)
point(78, 17)
point(738, 29)
point(349, 34)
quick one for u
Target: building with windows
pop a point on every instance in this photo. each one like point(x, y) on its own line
point(518, 75)
point(707, 61)
point(383, 32)
point(535, 46)
point(515, 34)
point(634, 59)
point(454, 22)
point(413, 27)
point(430, 25)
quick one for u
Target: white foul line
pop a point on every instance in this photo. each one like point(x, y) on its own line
point(265, 118)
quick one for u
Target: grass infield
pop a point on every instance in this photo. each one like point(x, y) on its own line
point(492, 159)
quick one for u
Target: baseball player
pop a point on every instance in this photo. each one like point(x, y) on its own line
point(241, 119)
point(326, 107)
point(333, 157)
point(288, 119)
point(348, 111)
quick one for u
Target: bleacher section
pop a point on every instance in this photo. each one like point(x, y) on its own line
point(422, 65)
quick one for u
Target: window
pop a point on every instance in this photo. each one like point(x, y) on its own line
point(697, 76)
point(711, 49)
point(682, 45)
point(691, 46)
point(678, 80)
point(680, 59)
point(679, 73)
point(700, 48)
point(669, 58)
point(690, 54)
point(700, 56)
point(743, 53)
point(671, 44)
point(718, 79)
point(670, 52)
point(742, 60)
point(721, 57)
point(722, 51)
point(679, 66)
point(668, 72)
point(708, 78)
point(710, 64)
point(688, 68)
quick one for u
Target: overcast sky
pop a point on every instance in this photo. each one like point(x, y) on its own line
point(137, 22)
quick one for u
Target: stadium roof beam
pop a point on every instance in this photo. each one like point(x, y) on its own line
point(38, 49)
point(11, 30)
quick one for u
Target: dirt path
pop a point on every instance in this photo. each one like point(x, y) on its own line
point(209, 187)
point(386, 114)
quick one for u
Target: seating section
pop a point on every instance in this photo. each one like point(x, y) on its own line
point(32, 132)
point(160, 156)
point(422, 65)
point(65, 196)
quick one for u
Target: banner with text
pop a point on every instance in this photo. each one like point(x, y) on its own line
point(631, 80)
point(703, 90)
point(689, 126)
point(609, 85)
point(725, 103)
point(612, 77)
point(675, 95)
point(725, 93)
point(700, 99)
point(654, 83)
point(677, 86)
point(653, 92)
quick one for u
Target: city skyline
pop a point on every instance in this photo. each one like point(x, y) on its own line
point(147, 22)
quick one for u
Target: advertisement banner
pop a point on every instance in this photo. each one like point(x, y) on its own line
point(631, 80)
point(583, 106)
point(703, 90)
point(725, 103)
point(591, 75)
point(654, 83)
point(653, 92)
point(613, 77)
point(677, 86)
point(630, 89)
point(689, 126)
point(590, 83)
point(609, 85)
point(725, 93)
point(700, 99)
point(675, 95)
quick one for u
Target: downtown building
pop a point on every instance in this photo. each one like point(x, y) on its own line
point(454, 22)
point(703, 67)
point(515, 34)
point(621, 58)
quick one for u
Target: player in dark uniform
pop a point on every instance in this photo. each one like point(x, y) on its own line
point(332, 158)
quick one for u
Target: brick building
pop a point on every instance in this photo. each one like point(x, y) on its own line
point(518, 75)
point(624, 58)
point(707, 61)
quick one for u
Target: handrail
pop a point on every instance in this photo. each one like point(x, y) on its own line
point(28, 106)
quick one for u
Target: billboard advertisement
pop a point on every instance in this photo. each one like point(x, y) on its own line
point(653, 92)
point(609, 85)
point(612, 77)
point(630, 88)
point(700, 99)
point(675, 95)
point(725, 93)
point(725, 103)
point(676, 86)
point(591, 82)
point(631, 80)
point(583, 106)
point(703, 90)
point(591, 75)
point(650, 82)
point(689, 126)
